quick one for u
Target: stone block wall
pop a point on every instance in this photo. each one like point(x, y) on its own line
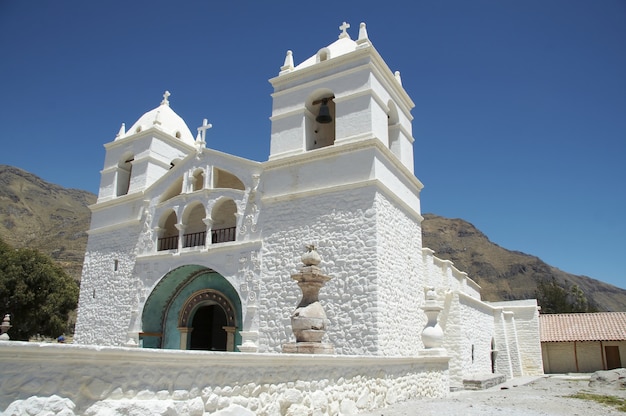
point(440, 273)
point(107, 291)
point(87, 380)
point(468, 328)
point(478, 331)
point(345, 236)
point(371, 250)
point(400, 288)
point(527, 328)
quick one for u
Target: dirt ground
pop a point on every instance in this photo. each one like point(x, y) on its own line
point(517, 397)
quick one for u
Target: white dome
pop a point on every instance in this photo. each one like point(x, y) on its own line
point(164, 119)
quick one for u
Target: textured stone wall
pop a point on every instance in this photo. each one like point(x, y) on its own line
point(470, 325)
point(527, 329)
point(440, 273)
point(513, 344)
point(107, 295)
point(503, 363)
point(343, 229)
point(120, 381)
point(400, 291)
point(478, 331)
point(468, 328)
point(369, 247)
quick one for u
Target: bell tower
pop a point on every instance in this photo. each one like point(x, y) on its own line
point(343, 94)
point(145, 152)
point(340, 173)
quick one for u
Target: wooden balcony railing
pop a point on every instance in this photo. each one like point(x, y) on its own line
point(194, 239)
point(168, 243)
point(198, 239)
point(223, 235)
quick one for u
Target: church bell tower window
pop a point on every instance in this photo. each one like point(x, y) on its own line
point(320, 123)
point(124, 172)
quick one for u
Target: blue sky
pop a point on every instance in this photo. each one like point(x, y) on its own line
point(520, 117)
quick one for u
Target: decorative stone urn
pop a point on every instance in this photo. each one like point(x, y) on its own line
point(4, 328)
point(432, 335)
point(309, 320)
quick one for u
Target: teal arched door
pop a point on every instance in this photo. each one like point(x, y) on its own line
point(192, 307)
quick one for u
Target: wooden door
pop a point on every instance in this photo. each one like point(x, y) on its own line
point(612, 357)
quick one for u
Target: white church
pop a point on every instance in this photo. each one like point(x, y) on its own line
point(193, 249)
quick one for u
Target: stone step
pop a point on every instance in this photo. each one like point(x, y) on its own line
point(483, 381)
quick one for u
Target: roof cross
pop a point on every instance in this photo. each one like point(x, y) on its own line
point(202, 130)
point(165, 101)
point(344, 27)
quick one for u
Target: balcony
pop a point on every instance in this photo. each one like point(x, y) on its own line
point(197, 239)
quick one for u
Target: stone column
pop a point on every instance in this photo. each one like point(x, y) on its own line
point(155, 238)
point(309, 321)
point(208, 221)
point(181, 235)
point(184, 336)
point(230, 337)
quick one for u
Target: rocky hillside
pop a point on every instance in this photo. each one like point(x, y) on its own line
point(47, 217)
point(37, 214)
point(505, 274)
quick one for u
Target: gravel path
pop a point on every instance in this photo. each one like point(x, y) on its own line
point(517, 397)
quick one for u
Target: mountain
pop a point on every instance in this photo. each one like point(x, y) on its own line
point(54, 220)
point(505, 274)
point(43, 216)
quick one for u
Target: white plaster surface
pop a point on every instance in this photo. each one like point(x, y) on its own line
point(121, 381)
point(163, 118)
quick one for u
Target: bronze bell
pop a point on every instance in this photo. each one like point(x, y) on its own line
point(324, 114)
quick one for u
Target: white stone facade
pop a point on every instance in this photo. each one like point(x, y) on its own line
point(87, 380)
point(178, 229)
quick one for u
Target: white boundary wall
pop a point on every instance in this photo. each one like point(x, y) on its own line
point(120, 381)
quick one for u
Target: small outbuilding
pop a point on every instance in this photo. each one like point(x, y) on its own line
point(582, 342)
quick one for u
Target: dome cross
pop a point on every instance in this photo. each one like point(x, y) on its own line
point(165, 101)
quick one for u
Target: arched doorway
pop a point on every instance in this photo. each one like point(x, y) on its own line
point(192, 307)
point(208, 329)
point(207, 322)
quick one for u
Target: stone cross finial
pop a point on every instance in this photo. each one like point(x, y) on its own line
point(398, 77)
point(165, 101)
point(122, 131)
point(288, 65)
point(344, 28)
point(202, 130)
point(362, 40)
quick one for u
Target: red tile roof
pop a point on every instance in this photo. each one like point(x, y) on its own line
point(567, 327)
